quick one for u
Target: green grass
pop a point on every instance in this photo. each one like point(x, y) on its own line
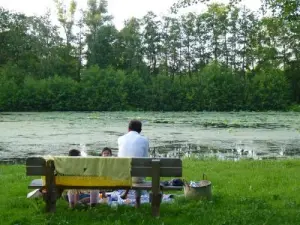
point(294, 108)
point(244, 192)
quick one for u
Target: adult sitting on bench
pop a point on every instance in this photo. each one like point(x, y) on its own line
point(133, 144)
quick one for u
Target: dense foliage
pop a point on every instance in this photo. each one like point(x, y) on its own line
point(226, 58)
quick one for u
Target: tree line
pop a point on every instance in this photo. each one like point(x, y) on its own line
point(226, 58)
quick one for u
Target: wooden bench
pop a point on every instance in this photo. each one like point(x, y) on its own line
point(140, 167)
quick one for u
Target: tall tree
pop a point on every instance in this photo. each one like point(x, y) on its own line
point(216, 19)
point(202, 52)
point(175, 47)
point(189, 40)
point(100, 33)
point(165, 46)
point(103, 48)
point(129, 46)
point(79, 43)
point(288, 9)
point(247, 31)
point(151, 41)
point(233, 28)
point(66, 18)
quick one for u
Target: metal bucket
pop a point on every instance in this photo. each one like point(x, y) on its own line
point(203, 192)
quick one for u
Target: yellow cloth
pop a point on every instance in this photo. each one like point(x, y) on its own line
point(92, 171)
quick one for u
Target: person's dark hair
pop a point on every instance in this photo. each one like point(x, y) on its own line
point(74, 152)
point(135, 125)
point(106, 149)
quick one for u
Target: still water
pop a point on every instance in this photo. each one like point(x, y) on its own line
point(172, 134)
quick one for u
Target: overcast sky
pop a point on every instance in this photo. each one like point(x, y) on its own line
point(120, 9)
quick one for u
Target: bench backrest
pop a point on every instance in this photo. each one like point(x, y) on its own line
point(140, 167)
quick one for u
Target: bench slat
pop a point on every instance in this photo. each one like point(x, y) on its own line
point(35, 171)
point(135, 172)
point(136, 162)
point(35, 161)
point(148, 185)
point(39, 161)
point(164, 162)
point(164, 172)
point(37, 183)
point(140, 167)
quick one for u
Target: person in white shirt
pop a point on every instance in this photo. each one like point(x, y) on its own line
point(134, 145)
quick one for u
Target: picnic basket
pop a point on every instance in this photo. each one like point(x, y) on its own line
point(202, 190)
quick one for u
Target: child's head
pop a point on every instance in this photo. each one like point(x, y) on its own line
point(74, 152)
point(106, 152)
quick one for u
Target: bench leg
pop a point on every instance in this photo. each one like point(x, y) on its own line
point(138, 194)
point(156, 192)
point(51, 192)
point(137, 201)
point(59, 192)
point(51, 197)
point(155, 204)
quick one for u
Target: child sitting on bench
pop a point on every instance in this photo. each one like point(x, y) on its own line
point(75, 196)
point(106, 152)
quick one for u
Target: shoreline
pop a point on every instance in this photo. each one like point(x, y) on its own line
point(22, 161)
point(290, 108)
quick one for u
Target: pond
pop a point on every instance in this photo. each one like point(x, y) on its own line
point(233, 135)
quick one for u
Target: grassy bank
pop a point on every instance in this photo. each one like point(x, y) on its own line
point(245, 192)
point(294, 108)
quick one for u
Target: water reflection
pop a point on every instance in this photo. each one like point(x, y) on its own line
point(240, 151)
